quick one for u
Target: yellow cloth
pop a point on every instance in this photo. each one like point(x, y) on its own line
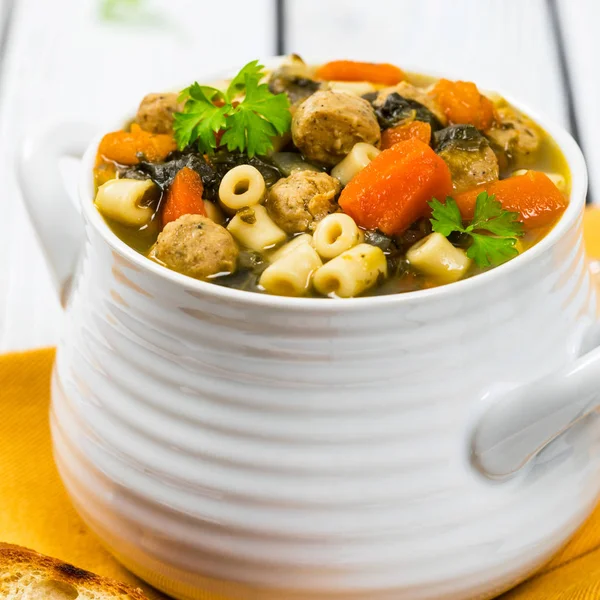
point(34, 508)
point(35, 511)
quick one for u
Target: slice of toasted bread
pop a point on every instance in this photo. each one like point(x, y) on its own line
point(27, 575)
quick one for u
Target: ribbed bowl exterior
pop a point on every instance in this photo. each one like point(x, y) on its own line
point(221, 449)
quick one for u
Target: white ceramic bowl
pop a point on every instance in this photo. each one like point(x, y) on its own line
point(225, 444)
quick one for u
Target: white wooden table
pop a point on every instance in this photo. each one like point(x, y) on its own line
point(60, 61)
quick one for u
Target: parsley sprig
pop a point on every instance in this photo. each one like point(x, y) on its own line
point(249, 125)
point(502, 226)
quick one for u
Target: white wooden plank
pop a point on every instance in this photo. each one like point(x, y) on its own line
point(505, 45)
point(63, 62)
point(579, 22)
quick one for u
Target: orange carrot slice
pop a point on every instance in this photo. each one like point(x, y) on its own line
point(125, 147)
point(415, 129)
point(350, 70)
point(533, 195)
point(392, 191)
point(461, 102)
point(184, 196)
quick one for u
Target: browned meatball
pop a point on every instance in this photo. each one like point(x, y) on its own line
point(468, 155)
point(471, 168)
point(328, 124)
point(196, 246)
point(301, 199)
point(514, 134)
point(155, 113)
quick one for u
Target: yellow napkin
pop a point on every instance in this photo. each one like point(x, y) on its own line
point(35, 510)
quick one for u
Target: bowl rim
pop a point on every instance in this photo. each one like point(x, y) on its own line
point(564, 140)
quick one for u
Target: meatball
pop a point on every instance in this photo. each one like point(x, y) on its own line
point(196, 246)
point(514, 134)
point(469, 168)
point(301, 199)
point(468, 155)
point(328, 124)
point(155, 113)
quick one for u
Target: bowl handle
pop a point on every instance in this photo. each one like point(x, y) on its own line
point(56, 218)
point(523, 421)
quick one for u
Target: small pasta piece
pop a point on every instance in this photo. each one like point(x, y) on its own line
point(242, 186)
point(253, 228)
point(214, 212)
point(278, 254)
point(292, 274)
point(352, 272)
point(335, 234)
point(354, 162)
point(127, 200)
point(434, 255)
point(359, 88)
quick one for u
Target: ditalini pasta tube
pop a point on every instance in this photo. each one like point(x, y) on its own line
point(121, 200)
point(437, 257)
point(292, 274)
point(335, 234)
point(305, 238)
point(354, 162)
point(242, 186)
point(254, 229)
point(352, 272)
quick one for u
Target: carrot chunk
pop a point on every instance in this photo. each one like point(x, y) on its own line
point(350, 70)
point(125, 147)
point(533, 195)
point(461, 102)
point(415, 129)
point(392, 191)
point(184, 196)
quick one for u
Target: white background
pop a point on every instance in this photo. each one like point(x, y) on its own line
point(62, 61)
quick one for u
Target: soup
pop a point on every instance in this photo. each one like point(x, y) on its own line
point(338, 180)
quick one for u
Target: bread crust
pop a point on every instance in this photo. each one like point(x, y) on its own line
point(17, 558)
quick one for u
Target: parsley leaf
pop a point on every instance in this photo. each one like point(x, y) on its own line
point(248, 131)
point(201, 93)
point(200, 119)
point(489, 251)
point(502, 226)
point(274, 108)
point(253, 71)
point(446, 218)
point(490, 216)
point(249, 125)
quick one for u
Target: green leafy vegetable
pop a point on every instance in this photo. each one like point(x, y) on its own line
point(200, 119)
point(248, 125)
point(486, 249)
